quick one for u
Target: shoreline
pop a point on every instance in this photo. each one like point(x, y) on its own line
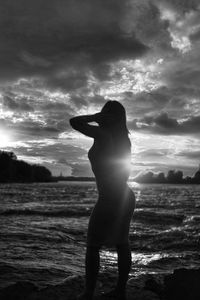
point(93, 181)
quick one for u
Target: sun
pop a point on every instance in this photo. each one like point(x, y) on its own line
point(4, 139)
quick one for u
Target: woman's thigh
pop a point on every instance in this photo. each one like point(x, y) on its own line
point(110, 221)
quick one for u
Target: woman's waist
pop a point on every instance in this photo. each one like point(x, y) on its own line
point(116, 202)
point(110, 186)
point(116, 191)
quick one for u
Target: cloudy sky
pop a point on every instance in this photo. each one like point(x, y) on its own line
point(61, 58)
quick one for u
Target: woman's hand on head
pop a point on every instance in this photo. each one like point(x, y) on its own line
point(104, 118)
point(98, 117)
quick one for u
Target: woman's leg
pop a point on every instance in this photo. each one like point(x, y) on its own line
point(124, 266)
point(92, 261)
point(92, 267)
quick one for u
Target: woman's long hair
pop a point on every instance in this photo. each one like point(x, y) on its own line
point(117, 126)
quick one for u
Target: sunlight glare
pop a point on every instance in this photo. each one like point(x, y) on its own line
point(4, 139)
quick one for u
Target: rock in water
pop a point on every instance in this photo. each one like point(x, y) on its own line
point(18, 291)
point(183, 284)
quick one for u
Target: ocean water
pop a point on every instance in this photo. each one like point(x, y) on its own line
point(43, 230)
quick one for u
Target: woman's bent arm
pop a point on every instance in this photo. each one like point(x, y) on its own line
point(80, 123)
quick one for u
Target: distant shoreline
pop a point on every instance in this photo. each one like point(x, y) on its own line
point(92, 179)
point(13, 170)
point(55, 179)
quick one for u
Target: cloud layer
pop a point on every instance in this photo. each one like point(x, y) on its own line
point(60, 58)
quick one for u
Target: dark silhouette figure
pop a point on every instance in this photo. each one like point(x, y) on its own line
point(109, 222)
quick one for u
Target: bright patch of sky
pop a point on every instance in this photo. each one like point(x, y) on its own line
point(132, 75)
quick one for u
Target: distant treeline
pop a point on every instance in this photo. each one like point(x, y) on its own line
point(14, 170)
point(172, 177)
point(73, 178)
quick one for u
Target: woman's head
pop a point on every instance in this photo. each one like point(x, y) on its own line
point(115, 122)
point(117, 114)
point(114, 108)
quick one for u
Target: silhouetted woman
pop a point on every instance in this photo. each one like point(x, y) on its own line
point(109, 222)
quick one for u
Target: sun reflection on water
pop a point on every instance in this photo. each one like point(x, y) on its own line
point(139, 260)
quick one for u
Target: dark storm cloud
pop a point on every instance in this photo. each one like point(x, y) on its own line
point(185, 74)
point(156, 124)
point(153, 153)
point(81, 169)
point(54, 106)
point(182, 5)
point(147, 102)
point(16, 105)
point(178, 100)
point(33, 129)
point(58, 117)
point(43, 118)
point(195, 36)
point(58, 151)
point(45, 38)
point(163, 124)
point(190, 154)
point(144, 19)
point(79, 101)
point(70, 80)
point(28, 129)
point(192, 125)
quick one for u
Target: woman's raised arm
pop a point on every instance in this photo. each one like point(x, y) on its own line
point(80, 124)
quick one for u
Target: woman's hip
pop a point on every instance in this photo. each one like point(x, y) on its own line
point(113, 205)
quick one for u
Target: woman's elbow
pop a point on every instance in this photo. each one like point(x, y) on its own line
point(73, 123)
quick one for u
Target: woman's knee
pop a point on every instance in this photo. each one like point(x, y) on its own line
point(123, 247)
point(93, 248)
